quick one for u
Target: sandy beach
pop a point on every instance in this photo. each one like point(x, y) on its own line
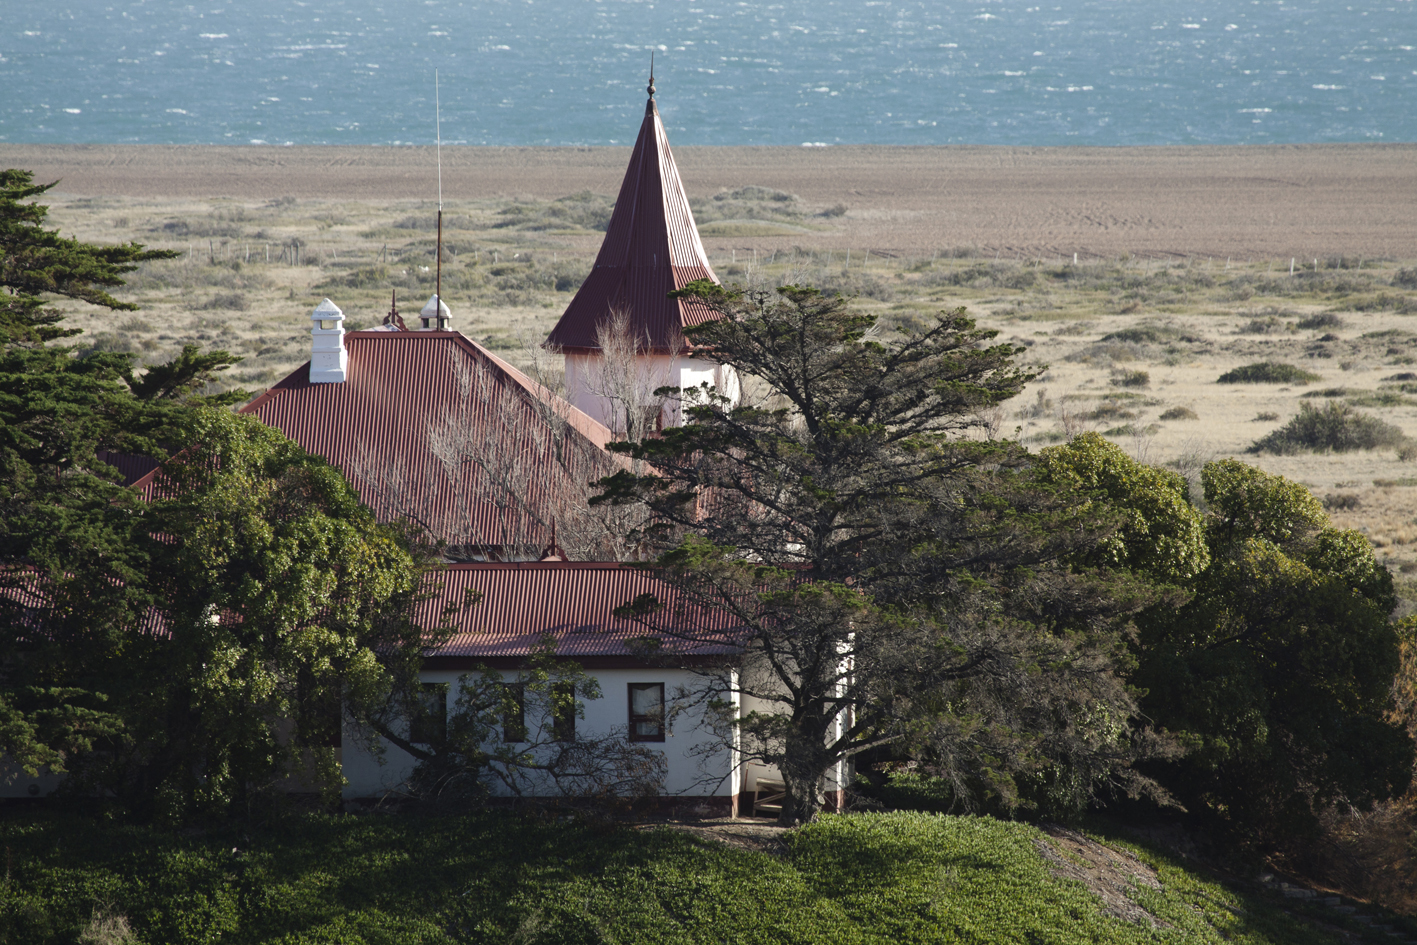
point(1162, 202)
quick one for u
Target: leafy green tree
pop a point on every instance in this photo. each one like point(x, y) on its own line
point(64, 518)
point(259, 596)
point(204, 640)
point(36, 263)
point(1160, 533)
point(893, 578)
point(1280, 669)
point(1276, 667)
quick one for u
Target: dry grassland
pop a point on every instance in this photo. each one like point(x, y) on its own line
point(1182, 271)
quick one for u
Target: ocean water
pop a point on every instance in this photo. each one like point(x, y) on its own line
point(816, 72)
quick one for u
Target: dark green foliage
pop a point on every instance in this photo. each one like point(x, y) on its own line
point(1160, 533)
point(186, 376)
point(1333, 428)
point(940, 566)
point(1148, 335)
point(1273, 663)
point(255, 590)
point(1320, 322)
point(896, 879)
point(35, 263)
point(180, 636)
point(1279, 670)
point(1268, 372)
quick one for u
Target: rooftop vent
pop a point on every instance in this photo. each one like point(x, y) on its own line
point(329, 361)
point(435, 312)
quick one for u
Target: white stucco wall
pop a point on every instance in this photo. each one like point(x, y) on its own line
point(687, 774)
point(14, 782)
point(586, 389)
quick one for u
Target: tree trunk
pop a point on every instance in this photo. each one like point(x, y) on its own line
point(804, 765)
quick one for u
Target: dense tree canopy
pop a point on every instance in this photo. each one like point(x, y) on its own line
point(1276, 669)
point(203, 639)
point(900, 579)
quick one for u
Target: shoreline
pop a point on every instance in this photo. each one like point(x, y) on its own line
point(1161, 201)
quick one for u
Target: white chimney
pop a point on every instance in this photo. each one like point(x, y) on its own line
point(329, 361)
point(435, 311)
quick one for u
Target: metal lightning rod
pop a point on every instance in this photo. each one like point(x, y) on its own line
point(438, 129)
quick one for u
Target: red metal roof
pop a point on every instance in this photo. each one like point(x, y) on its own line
point(570, 601)
point(131, 468)
point(405, 389)
point(651, 248)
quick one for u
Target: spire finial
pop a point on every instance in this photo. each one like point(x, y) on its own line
point(650, 90)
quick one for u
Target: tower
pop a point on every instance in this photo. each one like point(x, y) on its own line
point(651, 248)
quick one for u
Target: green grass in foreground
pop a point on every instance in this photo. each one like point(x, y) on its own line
point(888, 878)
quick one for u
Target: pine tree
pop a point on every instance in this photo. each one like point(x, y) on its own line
point(36, 262)
point(896, 580)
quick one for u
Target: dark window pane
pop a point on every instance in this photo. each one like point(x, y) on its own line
point(429, 724)
point(514, 714)
point(646, 712)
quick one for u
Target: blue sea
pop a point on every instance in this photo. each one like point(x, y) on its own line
point(814, 72)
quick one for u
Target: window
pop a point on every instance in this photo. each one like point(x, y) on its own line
point(646, 712)
point(563, 712)
point(429, 724)
point(514, 713)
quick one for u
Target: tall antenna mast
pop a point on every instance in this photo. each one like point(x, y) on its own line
point(438, 129)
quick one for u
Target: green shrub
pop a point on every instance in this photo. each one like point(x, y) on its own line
point(1131, 379)
point(1322, 321)
point(1147, 335)
point(1180, 413)
point(1268, 372)
point(910, 790)
point(1269, 325)
point(1337, 428)
point(227, 301)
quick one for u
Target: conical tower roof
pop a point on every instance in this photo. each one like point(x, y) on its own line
point(651, 248)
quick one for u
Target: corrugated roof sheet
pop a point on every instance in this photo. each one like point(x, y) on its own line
point(130, 467)
point(570, 601)
point(382, 428)
point(651, 248)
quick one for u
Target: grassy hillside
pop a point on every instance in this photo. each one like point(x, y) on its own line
point(889, 878)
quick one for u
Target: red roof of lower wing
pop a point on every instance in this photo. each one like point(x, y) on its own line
point(572, 602)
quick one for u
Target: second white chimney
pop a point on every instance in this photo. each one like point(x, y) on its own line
point(435, 312)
